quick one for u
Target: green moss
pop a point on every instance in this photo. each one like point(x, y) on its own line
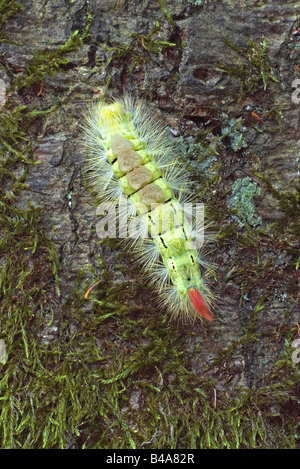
point(96, 407)
point(167, 14)
point(51, 61)
point(149, 42)
point(8, 8)
point(243, 192)
point(289, 203)
point(276, 113)
point(79, 387)
point(139, 50)
point(253, 67)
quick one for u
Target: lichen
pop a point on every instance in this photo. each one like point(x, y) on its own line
point(200, 154)
point(234, 131)
point(196, 2)
point(243, 192)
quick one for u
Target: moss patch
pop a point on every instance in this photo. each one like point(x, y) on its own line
point(252, 69)
point(7, 9)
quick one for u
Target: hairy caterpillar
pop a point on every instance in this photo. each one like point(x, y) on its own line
point(129, 154)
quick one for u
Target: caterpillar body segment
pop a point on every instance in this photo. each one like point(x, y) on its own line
point(129, 154)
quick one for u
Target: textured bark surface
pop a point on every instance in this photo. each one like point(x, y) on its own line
point(257, 282)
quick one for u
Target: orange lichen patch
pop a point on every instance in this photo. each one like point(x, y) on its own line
point(122, 148)
point(139, 177)
point(151, 194)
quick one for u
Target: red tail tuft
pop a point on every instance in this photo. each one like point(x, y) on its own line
point(200, 304)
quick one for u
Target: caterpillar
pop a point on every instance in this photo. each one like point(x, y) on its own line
point(129, 154)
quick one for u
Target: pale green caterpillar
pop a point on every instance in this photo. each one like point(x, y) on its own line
point(129, 154)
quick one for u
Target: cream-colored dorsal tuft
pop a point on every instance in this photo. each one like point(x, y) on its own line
point(122, 149)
